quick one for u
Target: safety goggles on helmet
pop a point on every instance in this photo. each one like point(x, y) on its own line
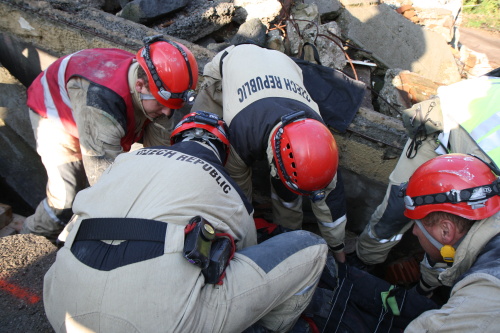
point(188, 95)
point(202, 126)
point(474, 196)
point(446, 173)
point(315, 195)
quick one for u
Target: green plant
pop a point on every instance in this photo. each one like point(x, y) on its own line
point(482, 14)
point(481, 6)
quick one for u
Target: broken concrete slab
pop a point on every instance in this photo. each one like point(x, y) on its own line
point(304, 27)
point(58, 32)
point(474, 63)
point(265, 10)
point(147, 11)
point(253, 31)
point(13, 109)
point(395, 42)
point(21, 166)
point(402, 89)
point(303, 18)
point(328, 9)
point(200, 19)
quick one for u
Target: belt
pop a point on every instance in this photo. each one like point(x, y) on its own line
point(111, 228)
point(143, 239)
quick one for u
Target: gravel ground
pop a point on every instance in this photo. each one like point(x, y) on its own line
point(24, 260)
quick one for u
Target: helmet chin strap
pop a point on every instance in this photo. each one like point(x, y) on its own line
point(148, 97)
point(447, 251)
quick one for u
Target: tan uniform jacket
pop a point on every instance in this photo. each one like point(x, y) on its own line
point(474, 304)
point(252, 88)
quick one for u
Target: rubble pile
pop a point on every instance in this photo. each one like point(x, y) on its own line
point(418, 38)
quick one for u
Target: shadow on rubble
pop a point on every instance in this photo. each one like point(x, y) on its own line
point(21, 59)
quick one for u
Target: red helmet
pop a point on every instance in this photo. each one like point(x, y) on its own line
point(305, 154)
point(458, 184)
point(172, 71)
point(203, 126)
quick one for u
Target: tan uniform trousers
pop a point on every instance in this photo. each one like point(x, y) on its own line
point(62, 159)
point(269, 284)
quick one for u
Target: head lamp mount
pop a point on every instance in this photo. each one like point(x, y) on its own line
point(188, 95)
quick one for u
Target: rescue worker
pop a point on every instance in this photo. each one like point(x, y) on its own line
point(271, 117)
point(461, 119)
point(454, 200)
point(90, 106)
point(460, 235)
point(129, 265)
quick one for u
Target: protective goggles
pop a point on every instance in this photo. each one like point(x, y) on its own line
point(315, 196)
point(474, 196)
point(188, 95)
point(202, 117)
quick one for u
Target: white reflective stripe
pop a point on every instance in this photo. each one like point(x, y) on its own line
point(51, 212)
point(286, 204)
point(443, 137)
point(305, 290)
point(61, 82)
point(52, 113)
point(395, 238)
point(486, 126)
point(490, 142)
point(333, 224)
point(49, 102)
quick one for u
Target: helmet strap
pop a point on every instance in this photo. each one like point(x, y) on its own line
point(201, 135)
point(446, 251)
point(491, 165)
point(146, 96)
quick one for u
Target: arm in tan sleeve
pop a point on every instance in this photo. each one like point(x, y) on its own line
point(209, 96)
point(99, 134)
point(240, 172)
point(474, 306)
point(158, 132)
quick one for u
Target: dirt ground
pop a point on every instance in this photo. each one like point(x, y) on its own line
point(24, 260)
point(482, 41)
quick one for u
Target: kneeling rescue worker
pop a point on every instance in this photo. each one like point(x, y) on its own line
point(165, 241)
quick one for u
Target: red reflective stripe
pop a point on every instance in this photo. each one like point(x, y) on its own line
point(261, 223)
point(312, 324)
point(19, 292)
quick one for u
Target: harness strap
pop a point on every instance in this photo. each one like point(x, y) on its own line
point(220, 63)
point(121, 228)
